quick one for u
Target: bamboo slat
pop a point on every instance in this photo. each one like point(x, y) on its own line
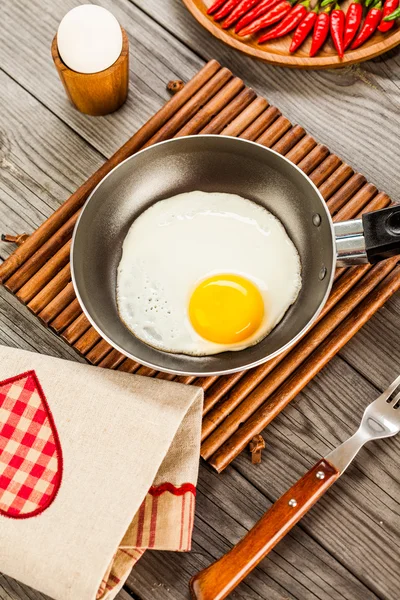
point(245, 118)
point(301, 149)
point(66, 317)
point(262, 122)
point(325, 169)
point(58, 304)
point(312, 160)
point(230, 112)
point(216, 102)
point(275, 132)
point(112, 360)
point(289, 140)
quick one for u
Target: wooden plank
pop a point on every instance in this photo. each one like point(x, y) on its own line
point(374, 352)
point(12, 590)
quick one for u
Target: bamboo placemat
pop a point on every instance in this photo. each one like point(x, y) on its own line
point(238, 406)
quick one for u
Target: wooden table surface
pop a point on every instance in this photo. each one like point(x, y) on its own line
point(348, 546)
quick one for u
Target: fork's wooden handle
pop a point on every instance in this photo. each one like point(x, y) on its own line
point(220, 578)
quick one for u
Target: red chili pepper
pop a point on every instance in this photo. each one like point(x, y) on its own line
point(388, 8)
point(337, 22)
point(215, 6)
point(273, 16)
point(226, 10)
point(321, 30)
point(238, 12)
point(371, 23)
point(289, 23)
point(255, 13)
point(353, 20)
point(302, 31)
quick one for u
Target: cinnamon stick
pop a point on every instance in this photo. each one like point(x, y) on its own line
point(275, 132)
point(246, 117)
point(301, 149)
point(186, 379)
point(255, 129)
point(51, 290)
point(87, 341)
point(77, 328)
point(289, 140)
point(43, 254)
point(59, 302)
point(128, 366)
point(335, 182)
point(205, 382)
point(313, 159)
point(146, 371)
point(356, 202)
point(325, 169)
point(218, 391)
point(66, 316)
point(190, 108)
point(68, 208)
point(326, 351)
point(45, 274)
point(112, 360)
point(98, 352)
point(165, 376)
point(212, 107)
point(230, 112)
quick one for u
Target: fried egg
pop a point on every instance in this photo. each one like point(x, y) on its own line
point(203, 273)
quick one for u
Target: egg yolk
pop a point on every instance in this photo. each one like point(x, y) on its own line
point(226, 309)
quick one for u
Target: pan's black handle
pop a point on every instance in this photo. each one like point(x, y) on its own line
point(382, 233)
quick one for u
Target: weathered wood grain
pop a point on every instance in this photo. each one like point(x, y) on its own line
point(12, 590)
point(332, 554)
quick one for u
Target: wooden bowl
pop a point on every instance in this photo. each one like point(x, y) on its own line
point(277, 52)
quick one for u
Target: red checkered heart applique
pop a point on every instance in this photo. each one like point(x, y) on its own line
point(30, 451)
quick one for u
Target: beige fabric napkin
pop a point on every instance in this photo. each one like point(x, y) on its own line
point(95, 467)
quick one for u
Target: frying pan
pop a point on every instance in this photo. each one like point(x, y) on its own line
point(214, 163)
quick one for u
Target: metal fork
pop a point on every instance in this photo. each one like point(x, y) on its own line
point(381, 419)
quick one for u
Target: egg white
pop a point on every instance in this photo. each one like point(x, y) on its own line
point(175, 244)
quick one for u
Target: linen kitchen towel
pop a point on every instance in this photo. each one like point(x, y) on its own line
point(96, 466)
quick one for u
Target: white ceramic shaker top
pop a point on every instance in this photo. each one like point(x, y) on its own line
point(89, 39)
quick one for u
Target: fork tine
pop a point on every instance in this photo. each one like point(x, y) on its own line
point(394, 399)
point(386, 395)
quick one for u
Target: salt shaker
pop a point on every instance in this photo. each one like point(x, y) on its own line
point(91, 54)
